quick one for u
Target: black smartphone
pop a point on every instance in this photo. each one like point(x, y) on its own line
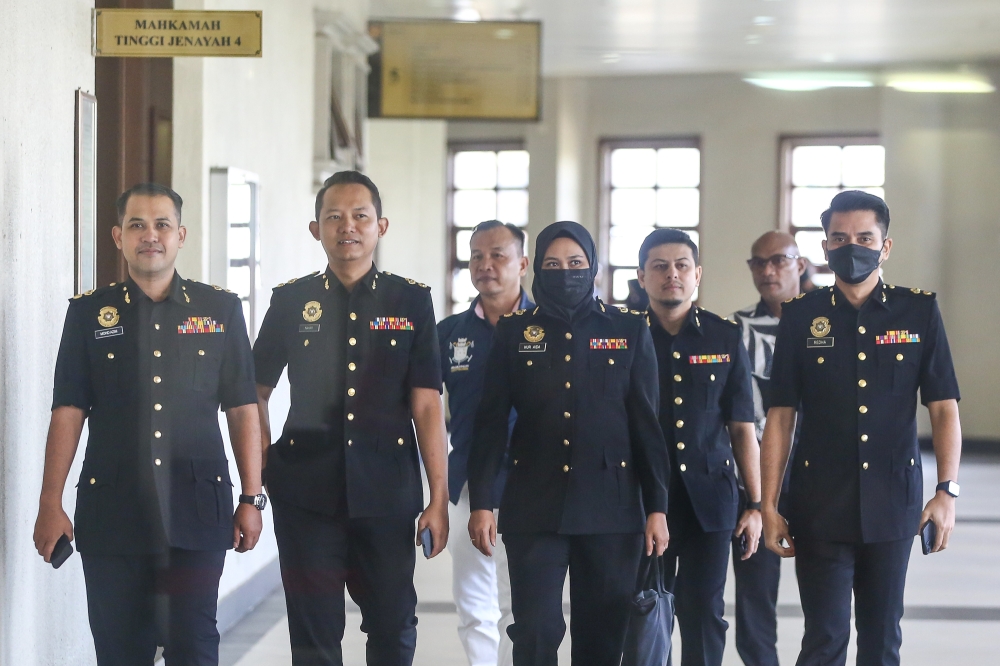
point(61, 552)
point(928, 535)
point(740, 543)
point(427, 541)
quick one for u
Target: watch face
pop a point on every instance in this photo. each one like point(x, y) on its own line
point(260, 501)
point(953, 489)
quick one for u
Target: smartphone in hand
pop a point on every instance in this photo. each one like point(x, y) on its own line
point(740, 542)
point(61, 552)
point(928, 535)
point(427, 541)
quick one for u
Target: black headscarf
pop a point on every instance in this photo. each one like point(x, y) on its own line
point(565, 293)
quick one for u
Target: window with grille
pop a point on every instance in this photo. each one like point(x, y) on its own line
point(645, 185)
point(814, 170)
point(486, 182)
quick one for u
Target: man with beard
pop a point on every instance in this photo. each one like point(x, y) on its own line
point(852, 358)
point(705, 391)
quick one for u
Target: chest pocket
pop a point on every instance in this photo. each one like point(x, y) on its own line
point(898, 366)
point(707, 380)
point(609, 372)
point(201, 359)
point(392, 349)
point(109, 360)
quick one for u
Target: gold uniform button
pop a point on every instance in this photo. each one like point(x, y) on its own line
point(862, 356)
point(305, 343)
point(711, 378)
point(400, 441)
point(568, 384)
point(679, 424)
point(156, 379)
point(110, 355)
point(352, 341)
point(291, 442)
point(201, 352)
point(565, 468)
point(351, 392)
point(684, 467)
point(912, 462)
point(861, 330)
point(677, 354)
point(565, 442)
point(157, 406)
point(678, 400)
point(158, 462)
point(157, 434)
point(568, 357)
point(350, 417)
point(865, 465)
point(680, 446)
point(862, 383)
point(515, 461)
point(727, 462)
point(156, 326)
point(157, 353)
point(820, 360)
point(392, 342)
point(569, 336)
point(352, 367)
point(677, 378)
point(529, 363)
point(611, 361)
point(354, 316)
point(93, 481)
point(218, 478)
point(623, 463)
point(350, 442)
point(807, 463)
point(864, 438)
point(863, 409)
point(566, 415)
point(899, 357)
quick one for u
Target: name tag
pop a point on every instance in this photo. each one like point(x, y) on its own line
point(109, 332)
point(308, 328)
point(819, 343)
point(532, 347)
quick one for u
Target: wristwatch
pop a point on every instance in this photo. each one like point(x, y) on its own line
point(258, 501)
point(753, 506)
point(949, 487)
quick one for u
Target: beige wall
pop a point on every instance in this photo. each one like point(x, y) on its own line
point(942, 167)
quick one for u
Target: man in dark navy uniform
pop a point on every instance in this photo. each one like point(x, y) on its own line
point(705, 391)
point(363, 367)
point(854, 355)
point(149, 362)
point(481, 585)
point(586, 489)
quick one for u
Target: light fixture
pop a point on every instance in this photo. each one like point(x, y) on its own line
point(763, 20)
point(803, 81)
point(939, 82)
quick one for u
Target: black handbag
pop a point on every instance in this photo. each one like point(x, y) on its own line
point(651, 619)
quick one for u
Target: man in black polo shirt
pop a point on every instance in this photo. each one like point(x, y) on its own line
point(853, 356)
point(363, 367)
point(705, 391)
point(149, 362)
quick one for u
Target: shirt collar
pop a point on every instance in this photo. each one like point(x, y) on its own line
point(476, 307)
point(762, 310)
point(131, 292)
point(878, 298)
point(693, 320)
point(370, 280)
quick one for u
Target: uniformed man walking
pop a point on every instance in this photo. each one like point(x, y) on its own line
point(776, 269)
point(149, 362)
point(363, 367)
point(705, 391)
point(586, 490)
point(854, 355)
point(480, 584)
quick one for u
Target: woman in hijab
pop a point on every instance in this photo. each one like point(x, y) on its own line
point(588, 465)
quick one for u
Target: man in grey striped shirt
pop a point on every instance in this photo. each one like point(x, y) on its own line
point(776, 267)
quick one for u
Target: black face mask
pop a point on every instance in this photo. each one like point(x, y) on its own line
point(567, 288)
point(854, 263)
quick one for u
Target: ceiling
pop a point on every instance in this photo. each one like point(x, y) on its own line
point(676, 36)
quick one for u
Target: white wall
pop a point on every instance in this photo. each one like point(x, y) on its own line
point(44, 58)
point(942, 166)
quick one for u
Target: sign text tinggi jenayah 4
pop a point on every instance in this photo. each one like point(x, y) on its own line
point(163, 33)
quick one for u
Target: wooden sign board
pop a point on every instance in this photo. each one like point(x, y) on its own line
point(165, 33)
point(449, 69)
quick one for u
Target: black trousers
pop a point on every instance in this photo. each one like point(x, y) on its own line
point(602, 581)
point(828, 573)
point(373, 557)
point(136, 602)
point(757, 581)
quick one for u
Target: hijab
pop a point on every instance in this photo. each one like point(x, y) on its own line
point(569, 293)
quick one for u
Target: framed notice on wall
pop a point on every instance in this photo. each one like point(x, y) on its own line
point(85, 190)
point(487, 70)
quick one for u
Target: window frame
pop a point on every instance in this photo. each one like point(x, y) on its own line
point(606, 147)
point(454, 264)
point(786, 145)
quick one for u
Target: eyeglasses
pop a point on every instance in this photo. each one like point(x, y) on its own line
point(778, 261)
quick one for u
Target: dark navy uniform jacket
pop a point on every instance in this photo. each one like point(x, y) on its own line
point(704, 383)
point(348, 442)
point(856, 474)
point(587, 455)
point(465, 340)
point(151, 378)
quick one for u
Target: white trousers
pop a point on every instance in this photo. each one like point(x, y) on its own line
point(481, 586)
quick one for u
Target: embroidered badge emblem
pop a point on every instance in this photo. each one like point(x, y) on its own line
point(312, 312)
point(460, 356)
point(534, 334)
point(108, 316)
point(820, 327)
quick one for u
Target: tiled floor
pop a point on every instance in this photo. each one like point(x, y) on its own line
point(952, 599)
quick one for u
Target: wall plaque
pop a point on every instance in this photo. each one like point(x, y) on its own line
point(164, 33)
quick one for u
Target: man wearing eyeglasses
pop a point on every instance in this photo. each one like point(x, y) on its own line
point(776, 268)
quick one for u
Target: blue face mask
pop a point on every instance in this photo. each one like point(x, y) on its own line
point(854, 263)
